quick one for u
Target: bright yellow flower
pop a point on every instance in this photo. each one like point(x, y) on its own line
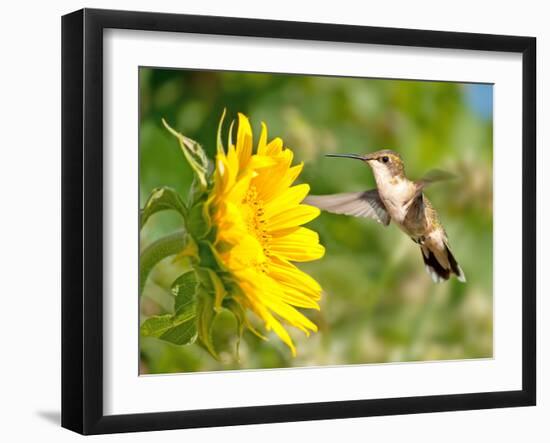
point(258, 216)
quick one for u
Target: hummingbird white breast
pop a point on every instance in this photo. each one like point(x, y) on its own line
point(395, 193)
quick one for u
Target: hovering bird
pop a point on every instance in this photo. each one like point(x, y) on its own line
point(402, 201)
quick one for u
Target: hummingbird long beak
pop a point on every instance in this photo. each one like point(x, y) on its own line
point(355, 156)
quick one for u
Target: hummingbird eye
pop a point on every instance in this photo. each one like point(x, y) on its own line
point(385, 159)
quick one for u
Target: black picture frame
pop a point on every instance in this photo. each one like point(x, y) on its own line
point(82, 220)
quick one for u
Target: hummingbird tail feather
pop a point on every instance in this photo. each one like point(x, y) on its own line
point(455, 267)
point(438, 271)
point(434, 269)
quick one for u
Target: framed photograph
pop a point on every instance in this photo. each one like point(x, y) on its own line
point(269, 221)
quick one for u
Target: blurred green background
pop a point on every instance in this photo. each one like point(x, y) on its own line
point(379, 305)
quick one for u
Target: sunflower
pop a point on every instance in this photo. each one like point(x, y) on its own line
point(258, 217)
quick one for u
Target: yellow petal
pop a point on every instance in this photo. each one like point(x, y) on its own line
point(257, 215)
point(225, 175)
point(271, 323)
point(244, 141)
point(231, 164)
point(293, 173)
point(290, 197)
point(301, 245)
point(230, 135)
point(288, 274)
point(219, 143)
point(295, 216)
point(260, 162)
point(241, 187)
point(248, 253)
point(262, 143)
point(296, 298)
point(283, 335)
point(272, 297)
point(274, 147)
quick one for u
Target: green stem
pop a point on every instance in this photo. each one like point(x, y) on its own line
point(156, 251)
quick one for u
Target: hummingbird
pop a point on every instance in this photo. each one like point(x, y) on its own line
point(398, 199)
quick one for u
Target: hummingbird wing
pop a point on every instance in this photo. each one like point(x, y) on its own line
point(359, 204)
point(434, 176)
point(415, 208)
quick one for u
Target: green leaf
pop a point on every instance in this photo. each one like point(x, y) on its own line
point(197, 224)
point(213, 284)
point(157, 325)
point(208, 256)
point(196, 193)
point(184, 289)
point(180, 328)
point(183, 334)
point(205, 320)
point(161, 199)
point(172, 244)
point(240, 316)
point(219, 289)
point(242, 320)
point(239, 313)
point(194, 154)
